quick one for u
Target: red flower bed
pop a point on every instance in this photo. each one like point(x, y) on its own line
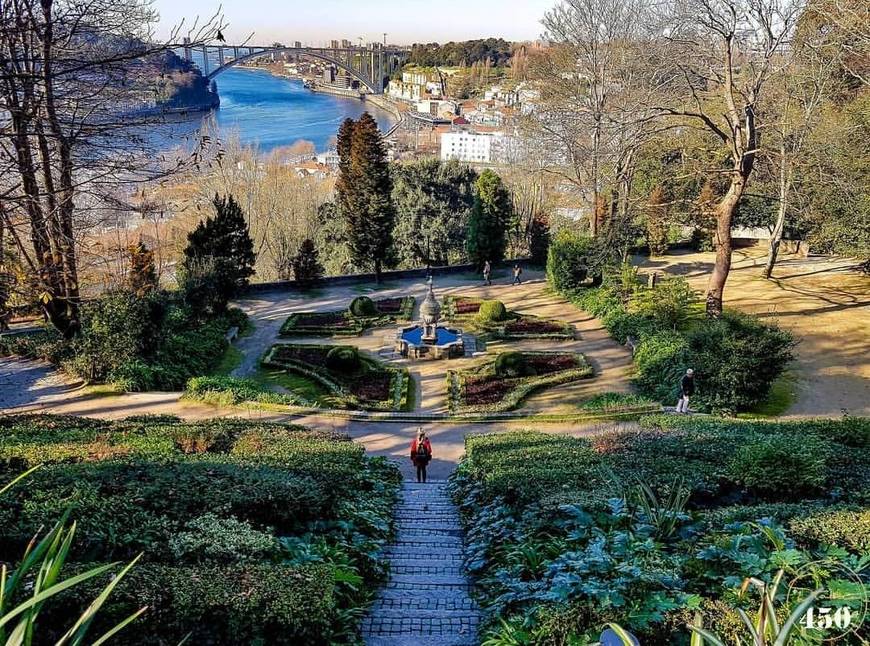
point(389, 305)
point(466, 305)
point(311, 355)
point(544, 364)
point(532, 326)
point(371, 386)
point(486, 390)
point(322, 319)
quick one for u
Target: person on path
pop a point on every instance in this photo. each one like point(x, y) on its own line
point(687, 389)
point(487, 273)
point(518, 271)
point(421, 454)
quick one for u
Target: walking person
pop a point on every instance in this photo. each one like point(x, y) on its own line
point(687, 389)
point(421, 454)
point(518, 271)
point(487, 273)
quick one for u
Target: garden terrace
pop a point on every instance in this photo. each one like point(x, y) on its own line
point(502, 382)
point(354, 382)
point(646, 526)
point(463, 312)
point(345, 322)
point(249, 532)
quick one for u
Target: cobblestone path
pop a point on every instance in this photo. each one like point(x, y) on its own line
point(426, 602)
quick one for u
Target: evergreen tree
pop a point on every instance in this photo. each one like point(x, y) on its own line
point(142, 277)
point(220, 253)
point(486, 237)
point(539, 239)
point(364, 192)
point(306, 265)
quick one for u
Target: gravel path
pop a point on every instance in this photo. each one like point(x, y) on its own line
point(426, 601)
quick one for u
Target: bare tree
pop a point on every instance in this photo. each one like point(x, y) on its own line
point(593, 81)
point(725, 51)
point(74, 77)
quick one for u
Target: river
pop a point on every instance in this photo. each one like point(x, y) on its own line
point(271, 111)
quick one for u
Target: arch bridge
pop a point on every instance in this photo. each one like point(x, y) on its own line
point(371, 65)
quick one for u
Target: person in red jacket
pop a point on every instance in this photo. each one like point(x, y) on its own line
point(421, 454)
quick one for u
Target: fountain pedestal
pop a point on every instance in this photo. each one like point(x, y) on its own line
point(427, 338)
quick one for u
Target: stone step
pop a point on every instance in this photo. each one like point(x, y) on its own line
point(412, 601)
point(423, 552)
point(443, 560)
point(429, 582)
point(429, 541)
point(418, 640)
point(432, 614)
point(427, 570)
point(454, 627)
point(420, 517)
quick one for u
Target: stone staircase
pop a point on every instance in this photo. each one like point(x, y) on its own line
point(426, 601)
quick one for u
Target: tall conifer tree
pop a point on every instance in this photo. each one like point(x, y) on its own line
point(489, 220)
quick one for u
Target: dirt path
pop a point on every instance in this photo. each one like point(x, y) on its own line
point(824, 302)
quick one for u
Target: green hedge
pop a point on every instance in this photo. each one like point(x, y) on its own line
point(248, 531)
point(229, 391)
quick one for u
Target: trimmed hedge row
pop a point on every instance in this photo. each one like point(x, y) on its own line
point(562, 535)
point(249, 532)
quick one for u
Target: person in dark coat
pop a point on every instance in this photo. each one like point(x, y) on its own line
point(687, 389)
point(487, 273)
point(421, 454)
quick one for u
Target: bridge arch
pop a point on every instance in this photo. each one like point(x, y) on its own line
point(374, 85)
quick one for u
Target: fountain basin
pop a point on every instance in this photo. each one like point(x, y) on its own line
point(446, 343)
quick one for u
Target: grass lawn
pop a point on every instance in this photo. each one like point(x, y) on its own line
point(231, 360)
point(302, 386)
point(781, 397)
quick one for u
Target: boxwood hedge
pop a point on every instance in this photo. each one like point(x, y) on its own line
point(259, 533)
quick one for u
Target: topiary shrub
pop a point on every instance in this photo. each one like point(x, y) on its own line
point(512, 364)
point(661, 361)
point(491, 312)
point(343, 359)
point(222, 540)
point(363, 306)
point(780, 466)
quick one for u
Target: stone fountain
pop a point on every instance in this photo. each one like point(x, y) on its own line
point(427, 338)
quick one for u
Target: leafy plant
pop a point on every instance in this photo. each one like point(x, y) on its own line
point(765, 630)
point(664, 514)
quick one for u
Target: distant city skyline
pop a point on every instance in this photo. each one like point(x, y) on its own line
point(405, 21)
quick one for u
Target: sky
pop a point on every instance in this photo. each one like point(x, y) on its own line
point(314, 22)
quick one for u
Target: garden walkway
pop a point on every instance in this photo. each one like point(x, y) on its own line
point(426, 602)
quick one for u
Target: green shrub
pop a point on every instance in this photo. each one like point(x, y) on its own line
point(780, 466)
point(343, 359)
point(568, 261)
point(845, 528)
point(661, 361)
point(212, 538)
point(512, 364)
point(670, 305)
point(616, 401)
point(363, 306)
point(491, 312)
point(736, 359)
point(223, 604)
point(228, 391)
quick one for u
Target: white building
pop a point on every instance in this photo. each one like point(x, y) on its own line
point(415, 78)
point(329, 158)
point(437, 108)
point(465, 146)
point(411, 92)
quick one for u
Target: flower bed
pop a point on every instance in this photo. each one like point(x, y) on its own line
point(344, 323)
point(651, 527)
point(462, 310)
point(371, 386)
point(482, 390)
point(249, 532)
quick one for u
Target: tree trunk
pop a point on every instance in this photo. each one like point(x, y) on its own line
point(724, 216)
point(776, 235)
